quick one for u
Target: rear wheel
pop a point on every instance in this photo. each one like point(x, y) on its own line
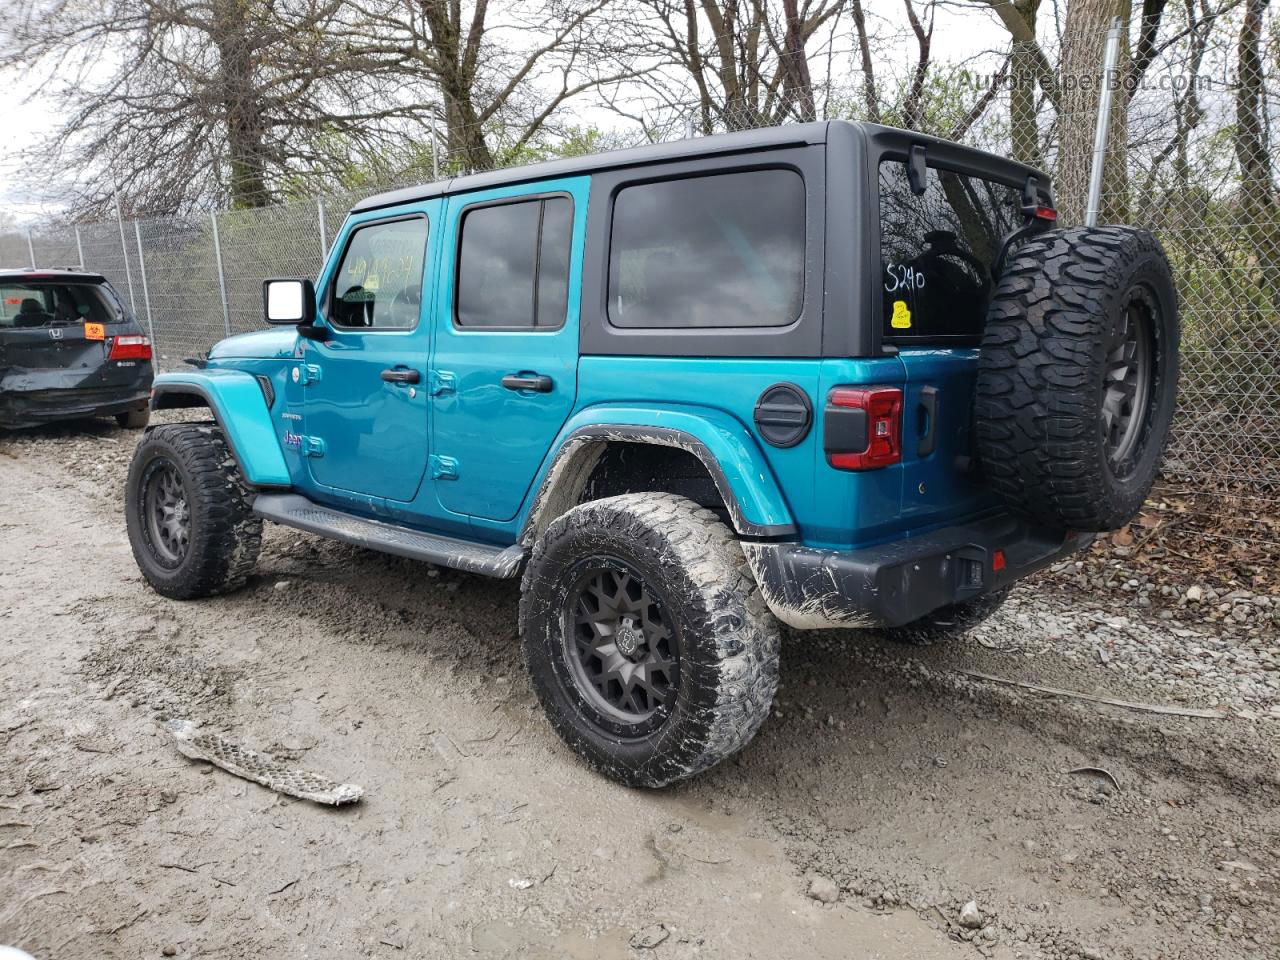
point(134, 419)
point(189, 515)
point(646, 639)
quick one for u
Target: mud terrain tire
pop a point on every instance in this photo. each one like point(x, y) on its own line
point(1077, 376)
point(189, 513)
point(686, 572)
point(953, 620)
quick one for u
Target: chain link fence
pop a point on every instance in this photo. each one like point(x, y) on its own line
point(1186, 153)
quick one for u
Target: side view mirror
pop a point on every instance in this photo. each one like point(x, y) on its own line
point(289, 301)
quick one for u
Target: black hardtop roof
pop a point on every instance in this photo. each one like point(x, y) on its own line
point(882, 138)
point(51, 273)
point(787, 135)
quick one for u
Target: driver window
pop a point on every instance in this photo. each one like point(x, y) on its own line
point(378, 284)
point(937, 251)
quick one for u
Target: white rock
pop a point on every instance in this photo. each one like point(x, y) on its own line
point(970, 916)
point(824, 890)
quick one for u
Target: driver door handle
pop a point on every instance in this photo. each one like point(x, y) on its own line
point(401, 375)
point(537, 382)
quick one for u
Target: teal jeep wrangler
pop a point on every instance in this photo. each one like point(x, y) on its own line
point(825, 375)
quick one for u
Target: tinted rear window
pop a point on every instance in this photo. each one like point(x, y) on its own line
point(44, 304)
point(513, 264)
point(725, 250)
point(937, 251)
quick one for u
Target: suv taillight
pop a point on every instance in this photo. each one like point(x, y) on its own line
point(130, 347)
point(862, 427)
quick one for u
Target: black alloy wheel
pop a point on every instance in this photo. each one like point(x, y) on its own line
point(1126, 391)
point(621, 645)
point(167, 513)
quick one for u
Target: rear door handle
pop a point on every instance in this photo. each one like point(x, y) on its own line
point(537, 382)
point(400, 375)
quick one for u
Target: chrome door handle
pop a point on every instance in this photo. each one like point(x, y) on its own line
point(400, 375)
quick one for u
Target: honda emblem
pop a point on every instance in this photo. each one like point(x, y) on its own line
point(55, 333)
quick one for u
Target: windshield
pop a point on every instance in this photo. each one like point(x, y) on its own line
point(47, 304)
point(937, 251)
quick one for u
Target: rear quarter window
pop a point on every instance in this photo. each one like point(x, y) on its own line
point(42, 304)
point(719, 250)
point(937, 252)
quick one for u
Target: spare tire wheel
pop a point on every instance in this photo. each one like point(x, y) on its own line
point(1077, 376)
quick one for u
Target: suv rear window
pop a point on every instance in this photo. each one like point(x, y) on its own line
point(937, 251)
point(725, 250)
point(44, 304)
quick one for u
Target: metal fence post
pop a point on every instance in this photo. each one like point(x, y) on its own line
point(435, 144)
point(31, 250)
point(124, 252)
point(324, 234)
point(146, 294)
point(79, 247)
point(222, 276)
point(1104, 122)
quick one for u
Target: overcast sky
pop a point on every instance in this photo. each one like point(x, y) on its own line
point(25, 119)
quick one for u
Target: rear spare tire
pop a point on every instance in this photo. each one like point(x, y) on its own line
point(1077, 376)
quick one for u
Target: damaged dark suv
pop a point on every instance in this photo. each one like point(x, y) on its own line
point(70, 349)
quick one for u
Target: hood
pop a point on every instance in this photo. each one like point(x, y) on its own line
point(261, 344)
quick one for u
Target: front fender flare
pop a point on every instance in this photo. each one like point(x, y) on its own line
point(238, 406)
point(725, 447)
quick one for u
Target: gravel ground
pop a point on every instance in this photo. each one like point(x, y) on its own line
point(893, 806)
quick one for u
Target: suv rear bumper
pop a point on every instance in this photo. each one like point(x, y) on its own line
point(33, 407)
point(895, 583)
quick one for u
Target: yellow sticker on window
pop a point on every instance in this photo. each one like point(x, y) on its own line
point(371, 282)
point(95, 331)
point(901, 319)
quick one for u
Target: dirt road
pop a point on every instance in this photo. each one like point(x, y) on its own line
point(911, 787)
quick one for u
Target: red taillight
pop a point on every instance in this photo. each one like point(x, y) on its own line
point(997, 561)
point(881, 442)
point(130, 347)
point(1046, 213)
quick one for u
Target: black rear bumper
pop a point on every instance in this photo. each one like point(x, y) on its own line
point(34, 407)
point(895, 583)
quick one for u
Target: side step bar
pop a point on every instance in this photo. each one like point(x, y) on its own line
point(294, 510)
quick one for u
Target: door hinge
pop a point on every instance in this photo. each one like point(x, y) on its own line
point(312, 447)
point(443, 468)
point(442, 382)
point(310, 373)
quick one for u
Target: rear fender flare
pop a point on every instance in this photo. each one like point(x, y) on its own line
point(240, 410)
point(723, 445)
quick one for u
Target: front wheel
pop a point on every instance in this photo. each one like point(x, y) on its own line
point(189, 515)
point(646, 639)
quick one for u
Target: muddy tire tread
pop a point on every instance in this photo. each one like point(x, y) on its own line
point(1036, 403)
point(719, 599)
point(224, 549)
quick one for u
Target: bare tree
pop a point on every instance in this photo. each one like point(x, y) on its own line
point(1082, 56)
point(870, 95)
point(192, 102)
point(502, 71)
point(746, 60)
point(1253, 151)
